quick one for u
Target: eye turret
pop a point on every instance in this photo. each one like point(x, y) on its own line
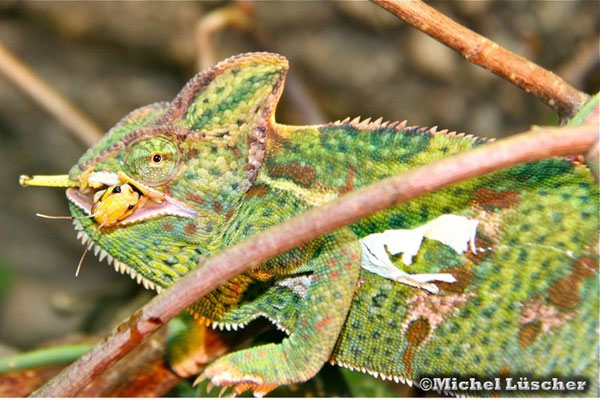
point(152, 161)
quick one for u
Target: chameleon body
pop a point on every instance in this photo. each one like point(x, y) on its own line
point(518, 297)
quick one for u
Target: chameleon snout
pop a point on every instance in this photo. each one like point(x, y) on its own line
point(112, 198)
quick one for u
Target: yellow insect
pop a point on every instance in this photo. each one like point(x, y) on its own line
point(115, 204)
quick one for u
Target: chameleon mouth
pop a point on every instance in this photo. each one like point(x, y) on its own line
point(157, 205)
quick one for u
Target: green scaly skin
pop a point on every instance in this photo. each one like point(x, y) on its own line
point(525, 304)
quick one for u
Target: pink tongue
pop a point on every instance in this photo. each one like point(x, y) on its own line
point(150, 210)
point(83, 201)
point(167, 207)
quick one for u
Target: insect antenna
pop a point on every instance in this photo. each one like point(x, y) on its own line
point(61, 216)
point(87, 248)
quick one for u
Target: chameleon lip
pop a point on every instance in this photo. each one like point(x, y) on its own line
point(169, 206)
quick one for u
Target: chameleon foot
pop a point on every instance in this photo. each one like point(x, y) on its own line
point(224, 374)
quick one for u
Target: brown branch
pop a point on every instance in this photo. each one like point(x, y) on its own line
point(298, 94)
point(534, 145)
point(142, 373)
point(17, 72)
point(479, 50)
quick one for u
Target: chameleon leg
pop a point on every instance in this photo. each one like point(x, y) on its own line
point(299, 357)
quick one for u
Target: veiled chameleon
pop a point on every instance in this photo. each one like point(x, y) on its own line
point(498, 275)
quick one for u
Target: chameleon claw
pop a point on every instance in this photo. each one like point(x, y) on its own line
point(222, 391)
point(199, 379)
point(209, 387)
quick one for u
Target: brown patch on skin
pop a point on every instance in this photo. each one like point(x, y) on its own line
point(322, 324)
point(276, 140)
point(302, 175)
point(586, 267)
point(491, 198)
point(490, 224)
point(190, 229)
point(417, 331)
point(349, 185)
point(504, 371)
point(194, 197)
point(217, 206)
point(434, 308)
point(333, 275)
point(257, 191)
point(167, 226)
point(547, 316)
point(229, 214)
point(564, 292)
point(192, 153)
point(528, 333)
point(481, 242)
point(462, 275)
point(407, 358)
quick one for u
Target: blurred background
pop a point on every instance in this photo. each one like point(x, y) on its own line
point(347, 59)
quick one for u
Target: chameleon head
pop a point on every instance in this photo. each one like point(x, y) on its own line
point(162, 183)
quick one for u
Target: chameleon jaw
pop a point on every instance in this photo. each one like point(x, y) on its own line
point(150, 210)
point(158, 204)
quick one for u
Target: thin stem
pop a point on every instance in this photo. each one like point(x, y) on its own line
point(17, 72)
point(237, 15)
point(43, 357)
point(240, 15)
point(479, 50)
point(534, 145)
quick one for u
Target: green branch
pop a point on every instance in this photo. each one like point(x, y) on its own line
point(43, 357)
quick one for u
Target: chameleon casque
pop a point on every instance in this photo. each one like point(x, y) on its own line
point(495, 276)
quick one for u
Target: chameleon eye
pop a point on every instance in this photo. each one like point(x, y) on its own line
point(152, 161)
